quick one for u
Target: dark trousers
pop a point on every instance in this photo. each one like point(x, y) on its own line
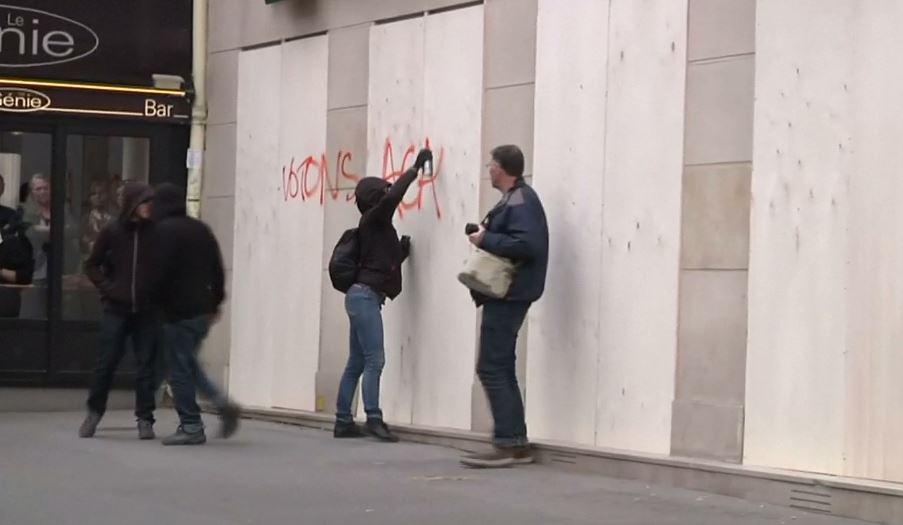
point(496, 368)
point(186, 376)
point(115, 331)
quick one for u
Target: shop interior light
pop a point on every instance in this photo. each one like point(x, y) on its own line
point(162, 81)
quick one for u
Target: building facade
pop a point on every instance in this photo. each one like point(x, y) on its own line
point(720, 179)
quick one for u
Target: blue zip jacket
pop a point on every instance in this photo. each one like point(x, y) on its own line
point(516, 228)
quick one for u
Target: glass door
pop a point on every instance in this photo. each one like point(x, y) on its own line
point(98, 166)
point(26, 167)
point(60, 181)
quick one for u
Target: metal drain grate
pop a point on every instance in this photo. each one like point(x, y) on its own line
point(811, 499)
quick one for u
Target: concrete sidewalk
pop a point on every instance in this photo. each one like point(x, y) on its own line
point(277, 474)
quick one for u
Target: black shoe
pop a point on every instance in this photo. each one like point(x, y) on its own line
point(500, 457)
point(183, 438)
point(145, 429)
point(89, 425)
point(378, 429)
point(229, 415)
point(345, 429)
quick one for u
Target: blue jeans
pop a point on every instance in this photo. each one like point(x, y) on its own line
point(115, 331)
point(496, 368)
point(186, 377)
point(366, 354)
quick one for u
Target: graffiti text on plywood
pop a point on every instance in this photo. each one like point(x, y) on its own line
point(310, 179)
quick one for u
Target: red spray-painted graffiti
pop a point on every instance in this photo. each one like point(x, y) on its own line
point(310, 179)
point(296, 179)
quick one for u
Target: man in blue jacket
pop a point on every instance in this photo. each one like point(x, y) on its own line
point(516, 229)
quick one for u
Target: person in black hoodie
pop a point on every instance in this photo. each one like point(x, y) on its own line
point(189, 287)
point(379, 277)
point(120, 266)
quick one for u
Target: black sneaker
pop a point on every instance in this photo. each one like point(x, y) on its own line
point(500, 458)
point(89, 425)
point(184, 438)
point(229, 415)
point(378, 429)
point(145, 429)
point(344, 429)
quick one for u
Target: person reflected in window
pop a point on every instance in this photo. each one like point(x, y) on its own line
point(6, 213)
point(115, 203)
point(16, 255)
point(37, 216)
point(98, 217)
point(16, 258)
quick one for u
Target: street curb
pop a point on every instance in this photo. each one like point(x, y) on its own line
point(875, 501)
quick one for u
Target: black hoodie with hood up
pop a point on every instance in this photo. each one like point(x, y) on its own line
point(190, 280)
point(120, 264)
point(381, 251)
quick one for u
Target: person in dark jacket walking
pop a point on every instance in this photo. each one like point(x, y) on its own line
point(120, 267)
point(379, 277)
point(516, 229)
point(189, 287)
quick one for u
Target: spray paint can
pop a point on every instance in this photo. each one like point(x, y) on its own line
point(428, 168)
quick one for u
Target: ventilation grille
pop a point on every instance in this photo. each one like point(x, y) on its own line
point(811, 499)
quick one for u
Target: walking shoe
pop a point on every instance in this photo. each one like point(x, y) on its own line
point(184, 438)
point(344, 429)
point(378, 429)
point(499, 458)
point(145, 429)
point(89, 425)
point(229, 415)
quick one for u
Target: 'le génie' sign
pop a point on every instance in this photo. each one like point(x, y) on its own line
point(106, 41)
point(30, 38)
point(154, 105)
point(21, 100)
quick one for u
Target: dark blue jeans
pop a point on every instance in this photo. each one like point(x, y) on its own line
point(366, 353)
point(115, 332)
point(496, 368)
point(186, 377)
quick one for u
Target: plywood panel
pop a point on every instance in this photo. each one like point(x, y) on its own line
point(825, 291)
point(452, 111)
point(395, 121)
point(278, 239)
point(641, 221)
point(564, 336)
point(874, 361)
point(254, 324)
point(798, 248)
point(424, 89)
point(298, 232)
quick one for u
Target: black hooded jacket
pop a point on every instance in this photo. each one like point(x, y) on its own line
point(190, 281)
point(120, 264)
point(16, 253)
point(381, 251)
